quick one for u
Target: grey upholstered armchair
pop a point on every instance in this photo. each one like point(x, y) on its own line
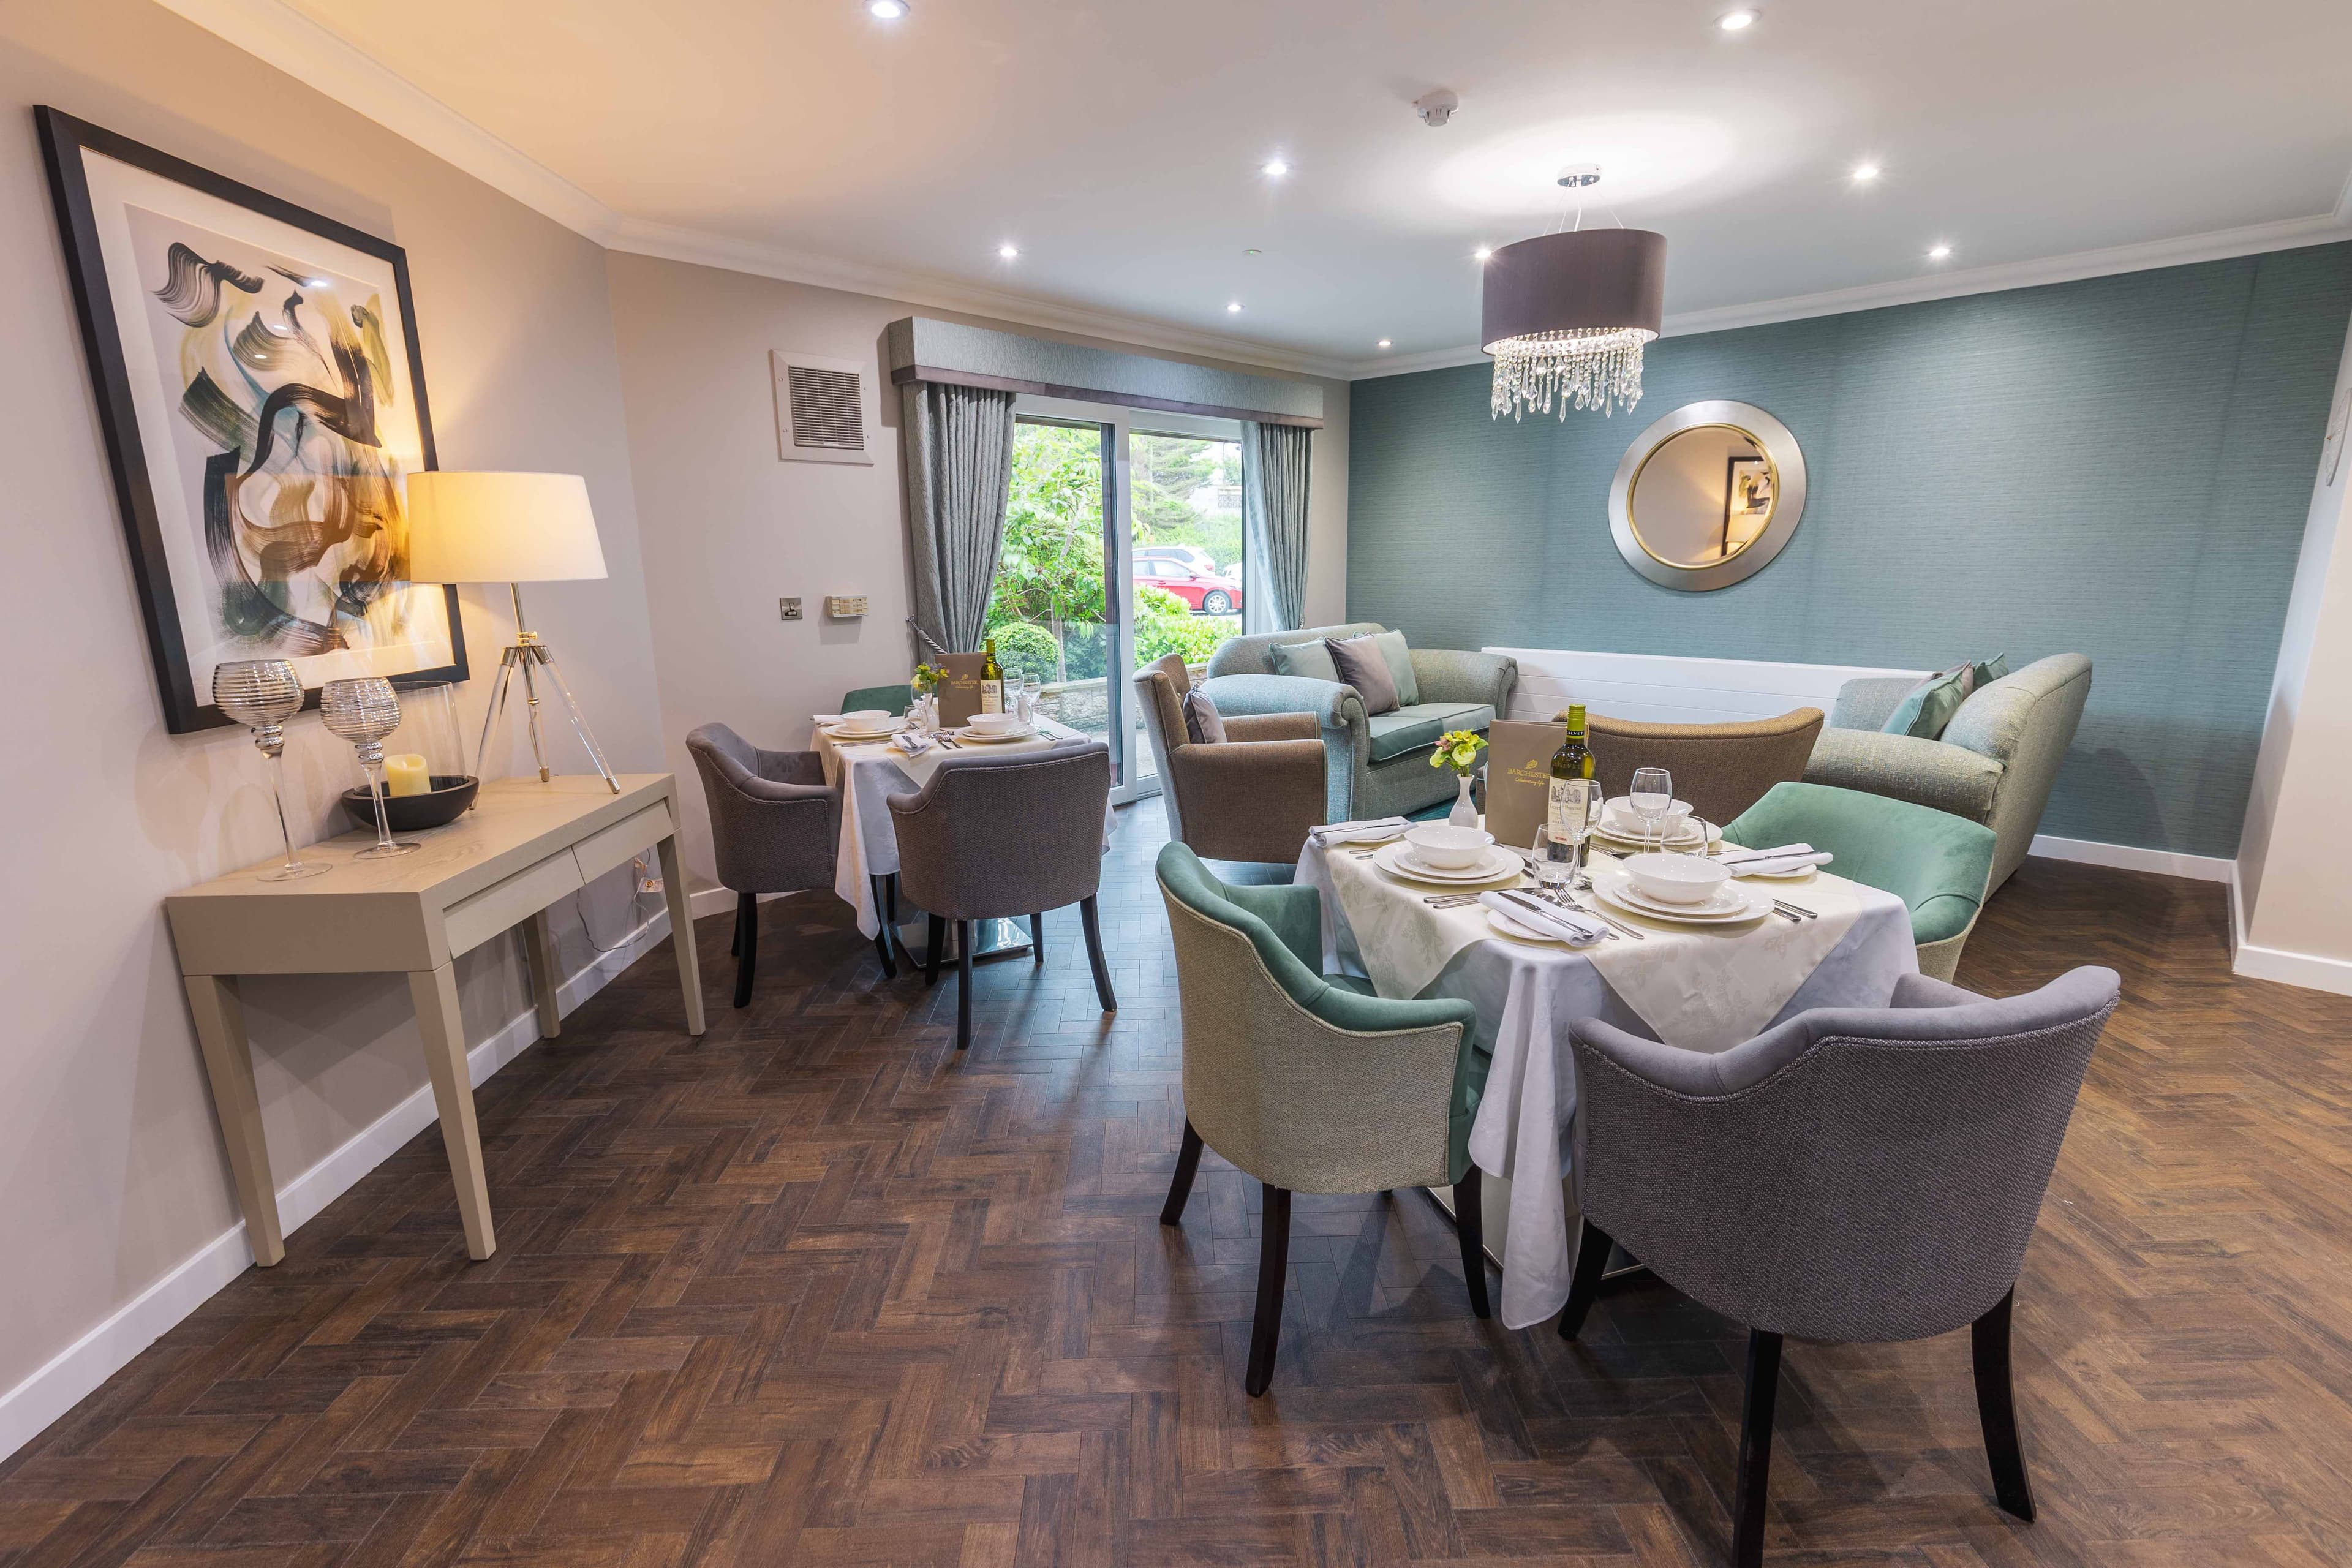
point(773, 825)
point(1376, 765)
point(1850, 1175)
point(1250, 797)
point(989, 836)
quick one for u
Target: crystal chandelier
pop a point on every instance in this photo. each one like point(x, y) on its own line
point(1566, 317)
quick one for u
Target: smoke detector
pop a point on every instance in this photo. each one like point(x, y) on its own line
point(1576, 176)
point(1436, 107)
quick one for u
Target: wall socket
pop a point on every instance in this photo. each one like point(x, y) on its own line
point(788, 609)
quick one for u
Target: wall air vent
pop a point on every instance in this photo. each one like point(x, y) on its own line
point(820, 412)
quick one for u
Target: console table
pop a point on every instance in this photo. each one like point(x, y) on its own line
point(524, 846)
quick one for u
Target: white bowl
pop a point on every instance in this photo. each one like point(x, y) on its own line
point(866, 718)
point(995, 723)
point(1676, 879)
point(1619, 818)
point(1447, 849)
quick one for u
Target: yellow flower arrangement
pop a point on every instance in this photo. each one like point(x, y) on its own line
point(1458, 749)
point(926, 679)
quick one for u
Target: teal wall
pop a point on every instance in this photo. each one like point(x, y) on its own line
point(2119, 466)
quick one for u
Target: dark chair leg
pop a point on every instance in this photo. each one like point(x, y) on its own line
point(1470, 1228)
point(882, 929)
point(735, 941)
point(1094, 955)
point(747, 945)
point(1997, 1408)
point(935, 942)
point(1592, 1245)
point(1188, 1165)
point(1037, 938)
point(1755, 1449)
point(1273, 1261)
point(963, 986)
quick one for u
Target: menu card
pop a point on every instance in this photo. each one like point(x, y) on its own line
point(959, 689)
point(1518, 778)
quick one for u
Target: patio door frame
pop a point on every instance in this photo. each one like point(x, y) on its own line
point(1117, 422)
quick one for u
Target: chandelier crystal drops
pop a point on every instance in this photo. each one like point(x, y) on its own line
point(1576, 367)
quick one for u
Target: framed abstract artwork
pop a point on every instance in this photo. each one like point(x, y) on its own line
point(258, 383)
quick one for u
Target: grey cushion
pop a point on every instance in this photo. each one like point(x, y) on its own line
point(1253, 655)
point(1202, 724)
point(1361, 666)
point(1404, 730)
point(1928, 707)
point(1394, 648)
point(1308, 660)
point(1987, 672)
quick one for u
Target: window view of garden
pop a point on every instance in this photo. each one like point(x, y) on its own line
point(1047, 611)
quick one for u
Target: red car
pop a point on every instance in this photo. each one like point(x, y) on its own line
point(1207, 594)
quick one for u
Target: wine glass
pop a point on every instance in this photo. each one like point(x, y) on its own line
point(363, 712)
point(264, 693)
point(1653, 795)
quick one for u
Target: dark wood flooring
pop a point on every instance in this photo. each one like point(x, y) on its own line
point(814, 1289)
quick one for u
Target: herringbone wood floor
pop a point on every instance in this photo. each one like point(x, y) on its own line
point(813, 1289)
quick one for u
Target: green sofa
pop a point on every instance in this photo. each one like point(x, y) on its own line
point(1995, 762)
point(1376, 765)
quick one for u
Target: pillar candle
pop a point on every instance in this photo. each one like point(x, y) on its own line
point(404, 774)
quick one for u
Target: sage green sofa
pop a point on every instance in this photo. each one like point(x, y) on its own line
point(1375, 764)
point(1995, 762)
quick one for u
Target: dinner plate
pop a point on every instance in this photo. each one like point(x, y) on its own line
point(1613, 842)
point(842, 733)
point(1502, 924)
point(1626, 896)
point(1802, 874)
point(1396, 859)
point(990, 738)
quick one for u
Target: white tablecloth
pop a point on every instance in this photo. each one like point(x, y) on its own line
point(1527, 993)
point(869, 840)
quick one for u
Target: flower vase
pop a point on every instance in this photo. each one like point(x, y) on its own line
point(1465, 810)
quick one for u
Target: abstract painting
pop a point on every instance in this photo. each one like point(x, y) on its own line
point(258, 376)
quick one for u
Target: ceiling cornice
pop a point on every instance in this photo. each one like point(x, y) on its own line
point(284, 38)
point(2285, 235)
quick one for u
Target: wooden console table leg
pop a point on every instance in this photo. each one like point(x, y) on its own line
point(435, 992)
point(228, 1062)
point(681, 933)
point(540, 937)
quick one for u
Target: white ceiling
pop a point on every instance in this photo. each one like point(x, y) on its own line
point(1119, 144)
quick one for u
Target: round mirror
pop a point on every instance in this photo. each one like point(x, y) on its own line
point(1708, 495)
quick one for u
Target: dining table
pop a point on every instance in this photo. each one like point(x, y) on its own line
point(1700, 987)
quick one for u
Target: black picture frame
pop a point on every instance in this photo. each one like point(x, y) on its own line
point(64, 140)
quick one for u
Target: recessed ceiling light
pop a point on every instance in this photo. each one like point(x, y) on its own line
point(1007, 252)
point(1865, 173)
point(1737, 21)
point(886, 10)
point(1938, 252)
point(1234, 308)
point(1274, 169)
point(1384, 342)
point(1482, 253)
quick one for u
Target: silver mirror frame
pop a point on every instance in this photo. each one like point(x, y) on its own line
point(1787, 460)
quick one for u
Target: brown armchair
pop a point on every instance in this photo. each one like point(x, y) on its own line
point(1720, 769)
point(1252, 796)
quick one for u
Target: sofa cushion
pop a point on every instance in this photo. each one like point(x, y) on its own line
point(1399, 659)
point(1928, 707)
point(1416, 729)
point(1989, 670)
point(1310, 660)
point(1202, 723)
point(1361, 666)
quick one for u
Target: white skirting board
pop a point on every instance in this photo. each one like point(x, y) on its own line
point(73, 1372)
point(2131, 858)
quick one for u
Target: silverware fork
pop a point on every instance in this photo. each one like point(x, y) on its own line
point(1571, 902)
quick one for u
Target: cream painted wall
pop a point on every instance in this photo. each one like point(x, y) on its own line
point(729, 528)
point(2295, 918)
point(109, 1156)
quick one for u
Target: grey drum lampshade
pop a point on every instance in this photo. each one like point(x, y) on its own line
point(1566, 315)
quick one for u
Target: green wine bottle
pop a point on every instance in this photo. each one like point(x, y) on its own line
point(1571, 783)
point(992, 681)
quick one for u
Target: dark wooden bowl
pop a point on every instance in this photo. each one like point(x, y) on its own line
point(443, 804)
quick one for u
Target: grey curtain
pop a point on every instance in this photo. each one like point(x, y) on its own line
point(1274, 460)
point(957, 443)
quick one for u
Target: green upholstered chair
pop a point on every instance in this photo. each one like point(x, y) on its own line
point(893, 699)
point(1936, 863)
point(1308, 1081)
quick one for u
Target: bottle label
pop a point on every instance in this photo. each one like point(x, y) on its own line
point(1571, 808)
point(992, 697)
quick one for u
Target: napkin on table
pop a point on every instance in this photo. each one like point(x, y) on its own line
point(1771, 862)
point(1372, 830)
point(1545, 919)
point(907, 740)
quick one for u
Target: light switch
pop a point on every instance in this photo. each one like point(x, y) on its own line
point(788, 609)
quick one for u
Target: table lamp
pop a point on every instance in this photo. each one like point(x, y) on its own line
point(512, 529)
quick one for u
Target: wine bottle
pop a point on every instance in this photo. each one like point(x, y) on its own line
point(1571, 782)
point(992, 681)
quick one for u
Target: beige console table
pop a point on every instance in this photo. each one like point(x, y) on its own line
point(523, 846)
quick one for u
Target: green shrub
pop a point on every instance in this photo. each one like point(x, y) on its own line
point(1164, 624)
point(1024, 647)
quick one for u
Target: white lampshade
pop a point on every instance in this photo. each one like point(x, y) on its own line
point(501, 528)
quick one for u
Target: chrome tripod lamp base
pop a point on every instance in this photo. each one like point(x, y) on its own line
point(529, 657)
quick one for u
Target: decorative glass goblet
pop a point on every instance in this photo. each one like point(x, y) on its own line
point(263, 693)
point(363, 712)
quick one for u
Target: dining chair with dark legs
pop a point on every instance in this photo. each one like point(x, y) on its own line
point(773, 825)
point(989, 837)
point(1853, 1175)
